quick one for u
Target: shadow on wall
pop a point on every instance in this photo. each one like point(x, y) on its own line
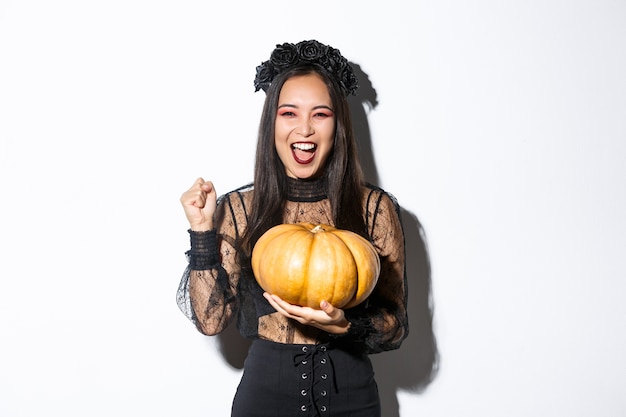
point(414, 366)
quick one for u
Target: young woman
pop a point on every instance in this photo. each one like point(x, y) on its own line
point(302, 361)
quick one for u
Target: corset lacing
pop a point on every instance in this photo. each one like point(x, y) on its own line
point(316, 380)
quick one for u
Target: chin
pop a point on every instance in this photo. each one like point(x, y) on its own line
point(305, 174)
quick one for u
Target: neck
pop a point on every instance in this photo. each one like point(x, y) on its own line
point(306, 190)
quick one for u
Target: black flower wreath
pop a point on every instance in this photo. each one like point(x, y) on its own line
point(289, 55)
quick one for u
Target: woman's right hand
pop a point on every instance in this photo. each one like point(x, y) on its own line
point(199, 203)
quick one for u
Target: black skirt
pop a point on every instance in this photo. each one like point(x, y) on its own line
point(305, 380)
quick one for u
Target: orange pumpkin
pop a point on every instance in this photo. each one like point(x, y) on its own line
point(304, 264)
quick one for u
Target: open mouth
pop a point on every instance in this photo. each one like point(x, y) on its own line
point(303, 152)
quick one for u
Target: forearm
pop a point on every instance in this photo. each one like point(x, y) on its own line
point(207, 288)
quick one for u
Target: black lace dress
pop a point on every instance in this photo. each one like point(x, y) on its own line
point(218, 286)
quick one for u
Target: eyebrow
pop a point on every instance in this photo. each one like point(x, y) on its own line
point(321, 106)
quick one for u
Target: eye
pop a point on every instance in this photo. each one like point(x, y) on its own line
point(322, 115)
point(286, 113)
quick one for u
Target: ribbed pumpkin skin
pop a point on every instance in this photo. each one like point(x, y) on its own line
point(304, 263)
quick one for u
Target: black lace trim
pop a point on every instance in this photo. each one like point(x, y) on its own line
point(203, 252)
point(308, 191)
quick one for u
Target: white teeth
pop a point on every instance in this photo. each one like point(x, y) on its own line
point(303, 146)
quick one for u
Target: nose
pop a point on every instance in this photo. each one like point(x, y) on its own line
point(305, 129)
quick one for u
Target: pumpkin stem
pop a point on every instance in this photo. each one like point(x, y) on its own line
point(317, 229)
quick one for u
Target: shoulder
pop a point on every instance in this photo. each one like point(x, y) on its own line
point(374, 195)
point(383, 219)
point(381, 210)
point(241, 195)
point(231, 215)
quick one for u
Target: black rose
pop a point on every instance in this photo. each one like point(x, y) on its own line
point(312, 50)
point(334, 58)
point(349, 81)
point(264, 75)
point(284, 56)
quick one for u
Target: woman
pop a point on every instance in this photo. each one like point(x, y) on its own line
point(302, 360)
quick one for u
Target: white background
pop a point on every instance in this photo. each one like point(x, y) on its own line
point(500, 126)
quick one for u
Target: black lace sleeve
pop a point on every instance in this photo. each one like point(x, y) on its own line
point(208, 288)
point(381, 322)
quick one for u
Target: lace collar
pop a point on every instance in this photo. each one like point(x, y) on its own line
point(306, 190)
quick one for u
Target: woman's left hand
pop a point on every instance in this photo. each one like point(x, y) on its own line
point(328, 318)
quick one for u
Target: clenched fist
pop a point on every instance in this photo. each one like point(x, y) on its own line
point(199, 204)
